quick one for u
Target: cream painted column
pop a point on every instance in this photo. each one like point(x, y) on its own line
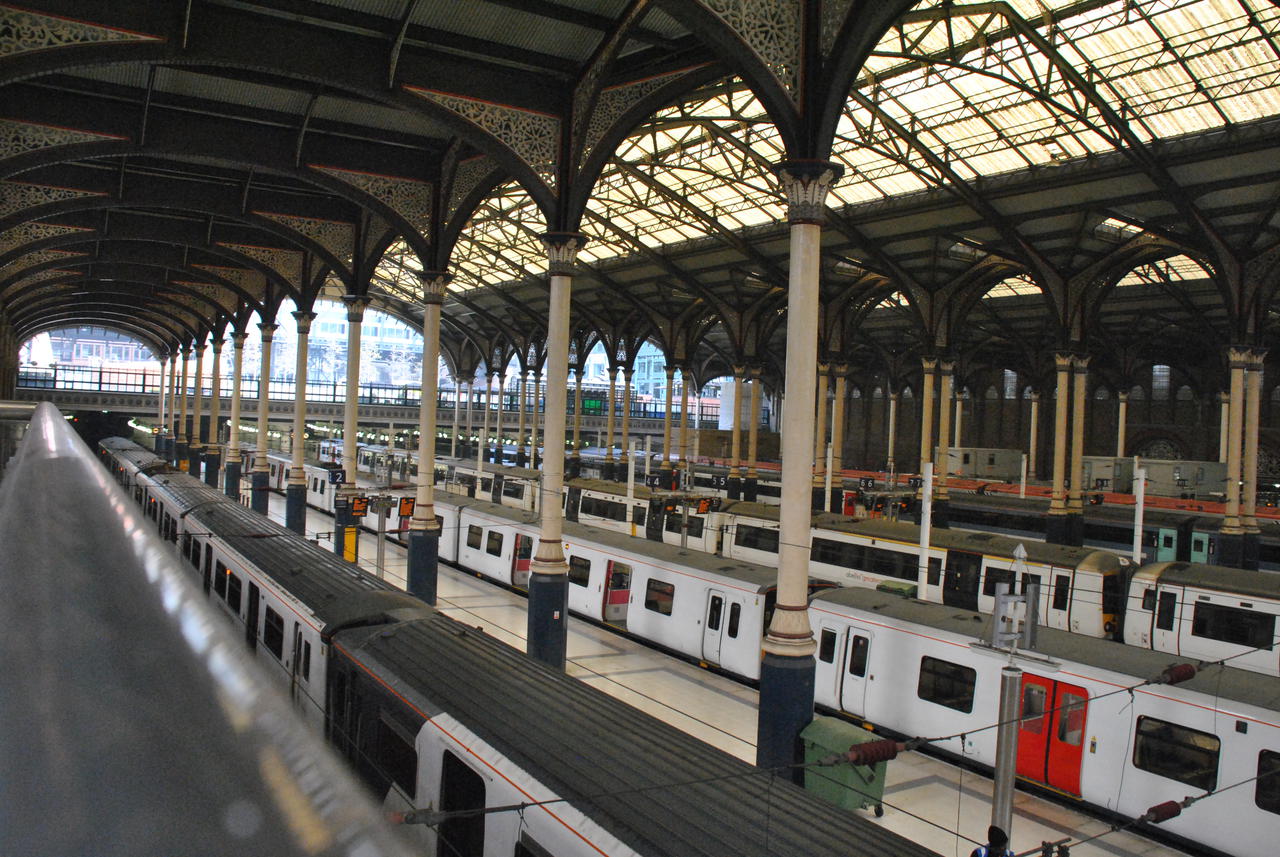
point(457, 417)
point(753, 437)
point(534, 422)
point(424, 529)
point(735, 441)
point(548, 578)
point(522, 398)
point(261, 477)
point(232, 458)
point(183, 439)
point(295, 510)
point(1122, 422)
point(172, 409)
point(470, 412)
point(666, 423)
point(499, 451)
point(161, 409)
point(1061, 411)
point(213, 449)
point(684, 420)
point(820, 439)
point(958, 437)
point(1075, 494)
point(346, 533)
point(837, 438)
point(891, 464)
point(610, 422)
point(1238, 359)
point(624, 455)
point(577, 412)
point(946, 385)
point(1224, 410)
point(1033, 441)
point(1249, 465)
point(482, 444)
point(929, 369)
point(787, 669)
point(197, 406)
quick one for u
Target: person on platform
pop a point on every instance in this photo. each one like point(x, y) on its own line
point(997, 844)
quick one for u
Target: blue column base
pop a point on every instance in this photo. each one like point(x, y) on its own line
point(667, 479)
point(786, 708)
point(180, 453)
point(295, 508)
point(195, 456)
point(548, 612)
point(1057, 530)
point(750, 489)
point(261, 500)
point(734, 488)
point(212, 463)
point(1231, 550)
point(231, 484)
point(818, 498)
point(1249, 553)
point(424, 564)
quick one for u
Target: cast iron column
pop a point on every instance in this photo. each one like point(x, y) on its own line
point(735, 444)
point(1249, 464)
point(346, 532)
point(295, 508)
point(213, 449)
point(196, 448)
point(624, 455)
point(233, 457)
point(818, 498)
point(261, 496)
point(424, 529)
point(666, 472)
point(1057, 529)
point(184, 429)
point(610, 423)
point(1075, 493)
point(837, 439)
point(1122, 422)
point(750, 483)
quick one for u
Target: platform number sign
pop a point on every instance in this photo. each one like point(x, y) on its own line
point(337, 477)
point(866, 483)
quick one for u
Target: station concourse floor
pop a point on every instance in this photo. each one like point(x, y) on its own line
point(925, 798)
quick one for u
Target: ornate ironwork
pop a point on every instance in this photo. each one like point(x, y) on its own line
point(286, 263)
point(18, 138)
point(806, 184)
point(532, 136)
point(562, 251)
point(434, 286)
point(834, 13)
point(31, 260)
point(31, 232)
point(226, 299)
point(333, 235)
point(771, 28)
point(17, 196)
point(409, 198)
point(468, 174)
point(615, 101)
point(24, 31)
point(251, 282)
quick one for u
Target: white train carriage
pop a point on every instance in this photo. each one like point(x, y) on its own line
point(1206, 612)
point(1088, 729)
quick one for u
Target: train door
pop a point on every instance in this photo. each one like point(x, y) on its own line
point(251, 622)
point(520, 560)
point(572, 502)
point(1166, 544)
point(1051, 732)
point(208, 567)
point(299, 668)
point(495, 496)
point(1164, 632)
point(617, 591)
point(1201, 547)
point(654, 520)
point(853, 686)
point(960, 580)
point(713, 629)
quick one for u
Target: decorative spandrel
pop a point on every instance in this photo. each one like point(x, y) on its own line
point(771, 28)
point(32, 231)
point(22, 31)
point(18, 196)
point(286, 263)
point(532, 136)
point(834, 13)
point(31, 285)
point(253, 283)
point(36, 259)
point(614, 101)
point(226, 299)
point(410, 198)
point(19, 138)
point(468, 174)
point(333, 235)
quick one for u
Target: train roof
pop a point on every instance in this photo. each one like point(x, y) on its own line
point(139, 456)
point(1237, 581)
point(964, 540)
point(605, 486)
point(319, 578)
point(491, 467)
point(1238, 685)
point(760, 576)
point(657, 789)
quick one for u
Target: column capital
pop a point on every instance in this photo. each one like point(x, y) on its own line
point(562, 251)
point(1062, 360)
point(187, 351)
point(356, 305)
point(1258, 355)
point(267, 329)
point(1123, 396)
point(806, 184)
point(216, 344)
point(946, 367)
point(613, 373)
point(1081, 363)
point(303, 320)
point(929, 364)
point(434, 285)
point(238, 338)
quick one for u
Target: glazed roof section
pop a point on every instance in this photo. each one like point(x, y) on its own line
point(951, 95)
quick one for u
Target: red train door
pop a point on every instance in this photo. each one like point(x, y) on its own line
point(1051, 732)
point(520, 560)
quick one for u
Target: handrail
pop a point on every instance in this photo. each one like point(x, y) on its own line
point(133, 721)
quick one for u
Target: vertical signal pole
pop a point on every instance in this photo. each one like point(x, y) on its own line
point(1006, 748)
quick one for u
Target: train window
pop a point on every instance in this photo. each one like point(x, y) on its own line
point(715, 613)
point(475, 536)
point(1266, 793)
point(996, 576)
point(186, 545)
point(1166, 540)
point(1033, 698)
point(827, 646)
point(233, 593)
point(1168, 607)
point(948, 684)
point(514, 490)
point(1112, 593)
point(1071, 719)
point(220, 580)
point(1149, 600)
point(858, 652)
point(757, 538)
point(695, 525)
point(638, 514)
point(493, 546)
point(659, 596)
point(1234, 625)
point(393, 756)
point(273, 634)
point(461, 789)
point(579, 570)
point(1061, 591)
point(1169, 750)
point(735, 618)
point(935, 570)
